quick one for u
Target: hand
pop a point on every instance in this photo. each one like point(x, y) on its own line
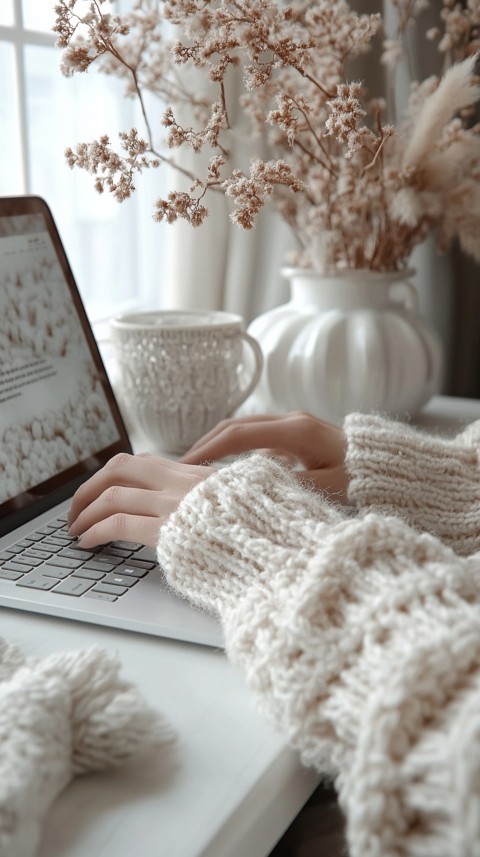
point(130, 498)
point(295, 438)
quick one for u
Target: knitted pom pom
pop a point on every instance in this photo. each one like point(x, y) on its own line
point(109, 720)
point(65, 715)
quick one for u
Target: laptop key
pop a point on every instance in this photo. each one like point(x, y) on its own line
point(110, 589)
point(89, 574)
point(47, 530)
point(36, 553)
point(55, 571)
point(37, 581)
point(62, 540)
point(64, 535)
point(9, 575)
point(100, 596)
point(118, 552)
point(24, 543)
point(147, 554)
point(65, 562)
point(31, 561)
point(49, 546)
point(73, 586)
point(141, 563)
point(15, 549)
point(98, 566)
point(6, 555)
point(17, 566)
point(121, 579)
point(108, 558)
point(134, 572)
point(76, 553)
point(127, 546)
point(36, 537)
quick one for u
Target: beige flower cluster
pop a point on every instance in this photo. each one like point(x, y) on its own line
point(358, 187)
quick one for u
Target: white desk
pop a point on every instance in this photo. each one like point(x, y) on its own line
point(447, 414)
point(230, 788)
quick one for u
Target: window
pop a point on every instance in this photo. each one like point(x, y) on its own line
point(114, 249)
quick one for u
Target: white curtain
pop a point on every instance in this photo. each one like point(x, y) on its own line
point(219, 265)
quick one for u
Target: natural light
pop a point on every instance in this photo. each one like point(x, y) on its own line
point(114, 253)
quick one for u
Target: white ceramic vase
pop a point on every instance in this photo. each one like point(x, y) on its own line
point(351, 341)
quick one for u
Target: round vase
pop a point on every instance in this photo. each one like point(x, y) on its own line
point(351, 341)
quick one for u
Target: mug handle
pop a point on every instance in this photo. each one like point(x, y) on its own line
point(258, 358)
point(404, 294)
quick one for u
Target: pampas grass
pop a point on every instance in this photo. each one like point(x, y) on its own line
point(456, 91)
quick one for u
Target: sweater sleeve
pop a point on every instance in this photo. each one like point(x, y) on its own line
point(432, 482)
point(237, 527)
point(360, 639)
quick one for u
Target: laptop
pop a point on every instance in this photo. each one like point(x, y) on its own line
point(60, 423)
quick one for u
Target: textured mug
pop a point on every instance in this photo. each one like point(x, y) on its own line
point(182, 371)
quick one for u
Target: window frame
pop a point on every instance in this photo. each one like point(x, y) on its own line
point(19, 37)
point(149, 239)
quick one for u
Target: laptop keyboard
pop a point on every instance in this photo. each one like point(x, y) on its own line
point(47, 559)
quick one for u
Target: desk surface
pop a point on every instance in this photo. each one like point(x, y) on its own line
point(229, 788)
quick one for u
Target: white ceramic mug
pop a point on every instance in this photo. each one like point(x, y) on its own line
point(182, 371)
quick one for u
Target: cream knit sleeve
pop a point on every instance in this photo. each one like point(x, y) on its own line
point(361, 640)
point(431, 482)
point(239, 526)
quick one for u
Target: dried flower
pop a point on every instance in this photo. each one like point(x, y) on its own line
point(356, 192)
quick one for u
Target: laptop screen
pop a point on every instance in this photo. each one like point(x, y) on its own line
point(58, 418)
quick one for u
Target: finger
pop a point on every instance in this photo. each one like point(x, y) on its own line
point(237, 436)
point(121, 527)
point(224, 424)
point(141, 471)
point(123, 469)
point(116, 499)
point(288, 459)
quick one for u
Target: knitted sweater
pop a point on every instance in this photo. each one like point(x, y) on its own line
point(360, 635)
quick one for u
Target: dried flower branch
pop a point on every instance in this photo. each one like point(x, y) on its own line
point(356, 191)
point(113, 171)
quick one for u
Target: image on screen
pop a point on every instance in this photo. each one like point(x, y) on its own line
point(53, 410)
